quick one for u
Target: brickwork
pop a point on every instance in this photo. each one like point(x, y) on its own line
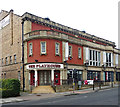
point(11, 36)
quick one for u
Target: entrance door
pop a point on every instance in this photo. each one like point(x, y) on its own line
point(32, 78)
point(44, 78)
point(57, 78)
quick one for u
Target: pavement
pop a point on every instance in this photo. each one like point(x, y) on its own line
point(25, 96)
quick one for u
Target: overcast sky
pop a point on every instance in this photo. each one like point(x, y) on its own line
point(96, 17)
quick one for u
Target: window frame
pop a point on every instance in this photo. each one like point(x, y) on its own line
point(79, 53)
point(70, 55)
point(43, 53)
point(10, 59)
point(30, 52)
point(57, 54)
point(94, 57)
point(109, 59)
point(15, 59)
point(6, 60)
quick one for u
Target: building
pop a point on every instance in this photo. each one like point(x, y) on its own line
point(54, 53)
point(10, 45)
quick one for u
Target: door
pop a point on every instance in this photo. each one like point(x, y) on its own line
point(32, 78)
point(57, 78)
point(44, 78)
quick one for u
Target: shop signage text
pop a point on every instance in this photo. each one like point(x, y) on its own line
point(35, 66)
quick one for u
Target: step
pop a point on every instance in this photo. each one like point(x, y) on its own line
point(43, 89)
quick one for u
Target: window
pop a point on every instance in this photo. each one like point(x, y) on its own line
point(79, 52)
point(2, 61)
point(108, 59)
point(6, 61)
point(15, 59)
point(93, 75)
point(108, 76)
point(43, 47)
point(10, 59)
point(30, 49)
point(70, 50)
point(57, 48)
point(94, 58)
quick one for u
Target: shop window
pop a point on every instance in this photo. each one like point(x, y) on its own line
point(43, 47)
point(109, 76)
point(117, 76)
point(57, 49)
point(79, 53)
point(93, 75)
point(30, 49)
point(70, 51)
point(94, 58)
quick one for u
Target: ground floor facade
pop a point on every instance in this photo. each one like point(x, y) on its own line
point(53, 74)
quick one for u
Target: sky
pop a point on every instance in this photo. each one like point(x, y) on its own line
point(96, 17)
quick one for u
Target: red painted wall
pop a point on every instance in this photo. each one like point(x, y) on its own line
point(36, 26)
point(75, 59)
point(50, 48)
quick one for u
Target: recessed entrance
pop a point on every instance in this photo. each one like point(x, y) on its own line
point(44, 77)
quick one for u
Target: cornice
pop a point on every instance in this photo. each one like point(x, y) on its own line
point(53, 25)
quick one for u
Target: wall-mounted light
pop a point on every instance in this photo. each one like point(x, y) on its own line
point(36, 60)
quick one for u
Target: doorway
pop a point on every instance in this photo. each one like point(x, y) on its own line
point(57, 77)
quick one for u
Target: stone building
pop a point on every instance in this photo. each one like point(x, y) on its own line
point(54, 54)
point(10, 45)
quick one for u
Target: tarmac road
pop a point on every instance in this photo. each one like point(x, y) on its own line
point(102, 97)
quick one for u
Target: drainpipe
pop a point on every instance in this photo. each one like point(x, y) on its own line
point(23, 53)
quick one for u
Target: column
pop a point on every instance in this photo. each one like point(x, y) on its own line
point(84, 74)
point(114, 77)
point(29, 77)
point(36, 78)
point(52, 76)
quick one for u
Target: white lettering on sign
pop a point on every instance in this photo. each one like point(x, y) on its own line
point(45, 65)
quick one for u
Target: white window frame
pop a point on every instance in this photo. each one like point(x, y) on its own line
point(108, 63)
point(70, 51)
point(42, 47)
point(57, 45)
point(79, 53)
point(30, 49)
point(95, 59)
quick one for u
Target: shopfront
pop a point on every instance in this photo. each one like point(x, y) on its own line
point(44, 74)
point(93, 75)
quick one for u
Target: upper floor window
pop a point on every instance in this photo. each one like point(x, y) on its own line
point(108, 59)
point(94, 58)
point(30, 49)
point(15, 59)
point(57, 48)
point(6, 60)
point(10, 59)
point(70, 51)
point(79, 52)
point(43, 47)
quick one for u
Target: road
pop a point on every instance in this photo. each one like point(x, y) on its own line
point(102, 97)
